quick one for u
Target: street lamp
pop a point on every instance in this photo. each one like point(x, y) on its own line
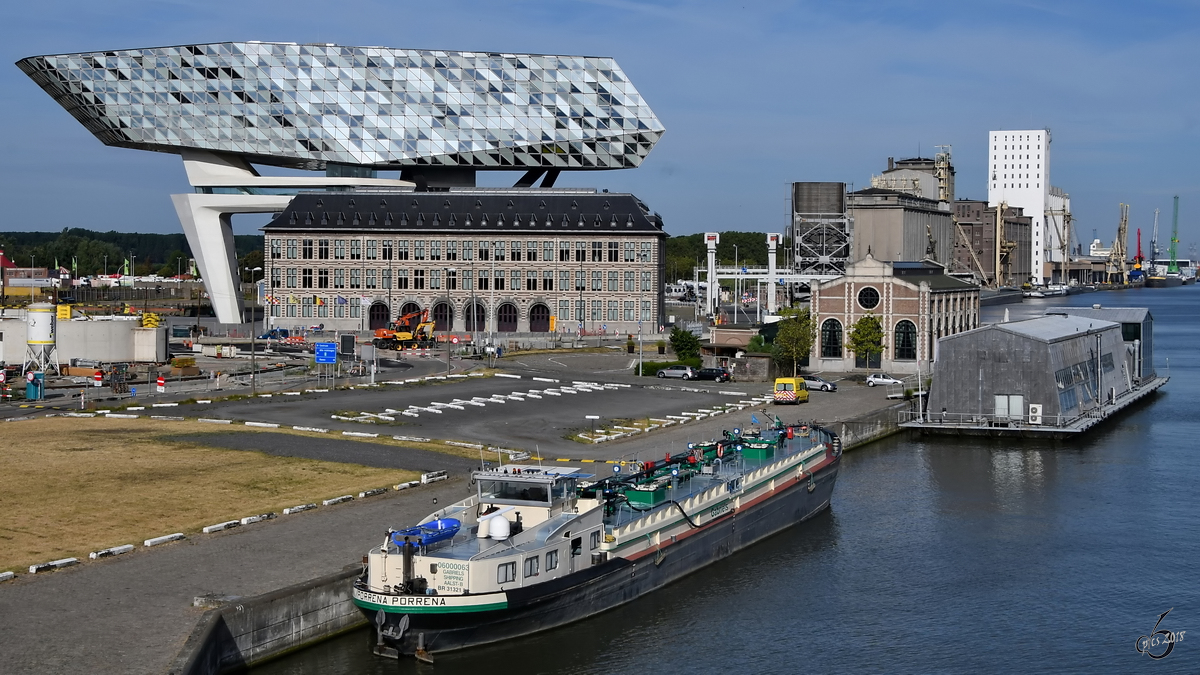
point(447, 271)
point(737, 297)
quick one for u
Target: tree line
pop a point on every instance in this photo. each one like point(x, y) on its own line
point(684, 253)
point(89, 253)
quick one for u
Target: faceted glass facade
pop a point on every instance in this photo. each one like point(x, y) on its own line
point(304, 106)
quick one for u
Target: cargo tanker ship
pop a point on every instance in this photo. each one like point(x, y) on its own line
point(540, 546)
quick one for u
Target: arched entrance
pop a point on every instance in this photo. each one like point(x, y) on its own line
point(443, 317)
point(476, 317)
point(409, 308)
point(539, 319)
point(378, 316)
point(506, 318)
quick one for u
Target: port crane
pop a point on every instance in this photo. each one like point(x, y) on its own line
point(1173, 266)
point(1138, 259)
point(1117, 272)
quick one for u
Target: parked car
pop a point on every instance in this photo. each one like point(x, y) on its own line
point(790, 390)
point(881, 378)
point(718, 374)
point(685, 372)
point(818, 383)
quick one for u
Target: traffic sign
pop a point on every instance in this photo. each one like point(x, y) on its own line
point(326, 352)
point(3, 376)
point(454, 340)
point(162, 384)
point(98, 378)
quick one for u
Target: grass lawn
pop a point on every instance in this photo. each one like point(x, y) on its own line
point(74, 485)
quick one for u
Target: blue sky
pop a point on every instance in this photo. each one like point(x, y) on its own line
point(753, 96)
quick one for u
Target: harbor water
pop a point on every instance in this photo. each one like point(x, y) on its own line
point(938, 556)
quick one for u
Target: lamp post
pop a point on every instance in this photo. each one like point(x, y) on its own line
point(31, 266)
point(446, 273)
point(641, 294)
point(253, 341)
point(737, 297)
point(105, 264)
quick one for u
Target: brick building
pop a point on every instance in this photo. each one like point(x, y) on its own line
point(975, 243)
point(916, 302)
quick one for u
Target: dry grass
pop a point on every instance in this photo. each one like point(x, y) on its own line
point(74, 485)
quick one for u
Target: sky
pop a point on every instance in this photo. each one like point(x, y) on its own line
point(753, 96)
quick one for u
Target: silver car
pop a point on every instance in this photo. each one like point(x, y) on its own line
point(684, 372)
point(881, 378)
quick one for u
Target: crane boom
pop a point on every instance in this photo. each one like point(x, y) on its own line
point(1173, 266)
point(1116, 257)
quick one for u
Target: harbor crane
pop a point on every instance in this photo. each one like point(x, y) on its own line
point(1117, 271)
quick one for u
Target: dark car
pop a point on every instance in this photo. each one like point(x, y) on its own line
point(718, 374)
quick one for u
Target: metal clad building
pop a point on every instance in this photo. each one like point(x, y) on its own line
point(1137, 330)
point(1042, 371)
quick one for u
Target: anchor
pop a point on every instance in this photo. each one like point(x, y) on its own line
point(395, 633)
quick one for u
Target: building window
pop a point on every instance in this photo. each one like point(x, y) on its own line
point(551, 560)
point(276, 249)
point(531, 280)
point(580, 251)
point(355, 249)
point(629, 307)
point(645, 310)
point(564, 310)
point(506, 573)
point(452, 280)
point(435, 250)
point(355, 279)
point(646, 281)
point(906, 341)
point(613, 281)
point(579, 310)
point(597, 281)
point(531, 249)
point(614, 251)
point(547, 280)
point(597, 251)
point(355, 308)
point(564, 251)
point(402, 280)
point(306, 249)
point(385, 279)
point(291, 277)
point(418, 280)
point(629, 281)
point(291, 310)
point(531, 566)
point(564, 281)
point(597, 310)
point(547, 251)
point(323, 249)
point(497, 250)
point(468, 250)
point(402, 249)
point(339, 278)
point(274, 310)
point(645, 257)
point(306, 278)
point(629, 248)
point(468, 280)
point(322, 310)
point(275, 277)
point(339, 249)
point(580, 282)
point(291, 249)
point(452, 250)
point(514, 280)
point(516, 251)
point(306, 304)
point(322, 278)
point(831, 339)
point(371, 274)
point(868, 298)
point(484, 280)
point(387, 252)
point(435, 280)
point(372, 249)
point(419, 249)
point(499, 280)
point(485, 250)
point(614, 310)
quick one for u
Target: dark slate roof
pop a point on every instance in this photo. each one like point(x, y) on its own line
point(931, 273)
point(513, 210)
point(1118, 314)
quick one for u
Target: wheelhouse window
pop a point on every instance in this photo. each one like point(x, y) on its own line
point(552, 560)
point(506, 573)
point(493, 491)
point(531, 566)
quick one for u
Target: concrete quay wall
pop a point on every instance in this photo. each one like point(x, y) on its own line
point(249, 631)
point(869, 427)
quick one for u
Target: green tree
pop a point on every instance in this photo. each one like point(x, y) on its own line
point(795, 338)
point(866, 337)
point(685, 344)
point(177, 263)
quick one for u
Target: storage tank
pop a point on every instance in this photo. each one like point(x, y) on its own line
point(40, 323)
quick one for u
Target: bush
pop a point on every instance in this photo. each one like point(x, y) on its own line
point(685, 344)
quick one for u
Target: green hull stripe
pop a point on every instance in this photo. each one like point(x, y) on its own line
point(394, 609)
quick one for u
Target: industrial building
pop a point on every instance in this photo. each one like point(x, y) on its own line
point(435, 117)
point(916, 302)
point(1137, 332)
point(894, 225)
point(1019, 175)
point(820, 228)
point(975, 248)
point(1058, 374)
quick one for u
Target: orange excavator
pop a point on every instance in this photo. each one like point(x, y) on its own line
point(411, 330)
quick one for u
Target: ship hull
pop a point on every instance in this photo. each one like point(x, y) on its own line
point(615, 582)
point(1163, 282)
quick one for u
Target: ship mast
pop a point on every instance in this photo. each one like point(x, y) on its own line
point(1173, 267)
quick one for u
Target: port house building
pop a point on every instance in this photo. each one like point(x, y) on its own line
point(436, 118)
point(916, 302)
point(508, 261)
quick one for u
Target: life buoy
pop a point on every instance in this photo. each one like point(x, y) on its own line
point(720, 451)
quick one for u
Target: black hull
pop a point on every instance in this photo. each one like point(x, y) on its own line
point(617, 581)
point(1163, 282)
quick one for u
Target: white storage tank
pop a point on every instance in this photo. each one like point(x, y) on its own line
point(40, 320)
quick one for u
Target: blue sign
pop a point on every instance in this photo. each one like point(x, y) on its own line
point(326, 352)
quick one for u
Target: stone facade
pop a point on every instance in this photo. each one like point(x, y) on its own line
point(917, 303)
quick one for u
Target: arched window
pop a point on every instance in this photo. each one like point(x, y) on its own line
point(506, 318)
point(476, 317)
point(443, 317)
point(831, 339)
point(539, 318)
point(906, 341)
